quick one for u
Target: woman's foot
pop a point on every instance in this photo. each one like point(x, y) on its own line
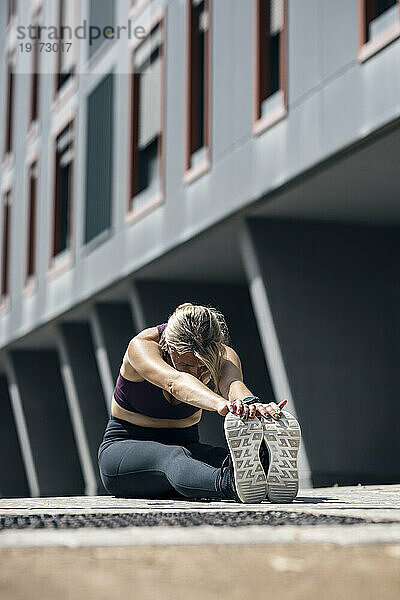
point(282, 440)
point(244, 473)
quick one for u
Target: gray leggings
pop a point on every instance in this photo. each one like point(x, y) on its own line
point(142, 462)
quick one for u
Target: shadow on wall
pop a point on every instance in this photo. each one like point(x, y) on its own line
point(334, 292)
point(13, 482)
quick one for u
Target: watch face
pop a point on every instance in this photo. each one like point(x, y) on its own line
point(250, 400)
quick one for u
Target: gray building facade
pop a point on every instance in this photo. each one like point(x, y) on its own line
point(237, 153)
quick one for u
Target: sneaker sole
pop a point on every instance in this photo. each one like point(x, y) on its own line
point(282, 439)
point(244, 440)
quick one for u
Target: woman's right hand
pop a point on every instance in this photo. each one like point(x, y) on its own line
point(237, 407)
point(224, 408)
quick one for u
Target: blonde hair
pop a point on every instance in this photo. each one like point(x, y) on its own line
point(201, 330)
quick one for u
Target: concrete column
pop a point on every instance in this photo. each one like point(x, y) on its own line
point(103, 362)
point(137, 308)
point(13, 479)
point(112, 327)
point(22, 429)
point(158, 299)
point(117, 328)
point(48, 424)
point(334, 294)
point(270, 342)
point(85, 397)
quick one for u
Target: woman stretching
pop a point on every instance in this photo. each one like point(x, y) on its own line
point(151, 445)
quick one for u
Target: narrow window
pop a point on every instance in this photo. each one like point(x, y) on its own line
point(99, 152)
point(63, 188)
point(66, 55)
point(198, 82)
point(146, 111)
point(6, 245)
point(10, 106)
point(270, 57)
point(380, 16)
point(101, 15)
point(379, 24)
point(12, 9)
point(32, 208)
point(35, 71)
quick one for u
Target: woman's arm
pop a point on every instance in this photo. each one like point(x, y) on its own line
point(144, 354)
point(231, 381)
point(234, 390)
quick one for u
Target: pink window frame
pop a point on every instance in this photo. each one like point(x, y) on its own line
point(261, 124)
point(63, 93)
point(30, 280)
point(10, 100)
point(367, 49)
point(134, 214)
point(5, 261)
point(192, 173)
point(55, 267)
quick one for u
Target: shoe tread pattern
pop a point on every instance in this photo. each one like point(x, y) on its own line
point(244, 440)
point(282, 439)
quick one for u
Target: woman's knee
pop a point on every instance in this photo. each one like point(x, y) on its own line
point(108, 461)
point(176, 453)
point(211, 455)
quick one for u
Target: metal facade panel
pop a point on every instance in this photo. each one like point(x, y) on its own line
point(304, 47)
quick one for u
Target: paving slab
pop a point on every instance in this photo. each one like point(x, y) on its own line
point(206, 572)
point(373, 502)
point(377, 508)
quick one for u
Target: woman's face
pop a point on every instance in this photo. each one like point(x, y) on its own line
point(188, 363)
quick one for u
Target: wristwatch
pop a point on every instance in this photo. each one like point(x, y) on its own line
point(250, 400)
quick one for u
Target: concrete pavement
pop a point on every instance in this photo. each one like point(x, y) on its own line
point(206, 562)
point(377, 506)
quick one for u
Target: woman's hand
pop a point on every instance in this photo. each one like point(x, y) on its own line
point(223, 409)
point(269, 410)
point(246, 411)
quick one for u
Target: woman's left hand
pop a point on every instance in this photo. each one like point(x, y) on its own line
point(268, 410)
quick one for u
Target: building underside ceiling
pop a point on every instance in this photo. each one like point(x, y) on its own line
point(360, 187)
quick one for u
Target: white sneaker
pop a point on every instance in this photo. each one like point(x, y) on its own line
point(244, 440)
point(282, 439)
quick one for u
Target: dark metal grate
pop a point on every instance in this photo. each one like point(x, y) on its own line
point(173, 519)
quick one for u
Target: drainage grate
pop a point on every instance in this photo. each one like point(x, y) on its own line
point(173, 519)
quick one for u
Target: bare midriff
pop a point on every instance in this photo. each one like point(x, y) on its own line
point(145, 421)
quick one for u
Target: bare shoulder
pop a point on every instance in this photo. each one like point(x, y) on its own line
point(230, 354)
point(138, 343)
point(145, 356)
point(145, 343)
point(150, 333)
point(141, 341)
